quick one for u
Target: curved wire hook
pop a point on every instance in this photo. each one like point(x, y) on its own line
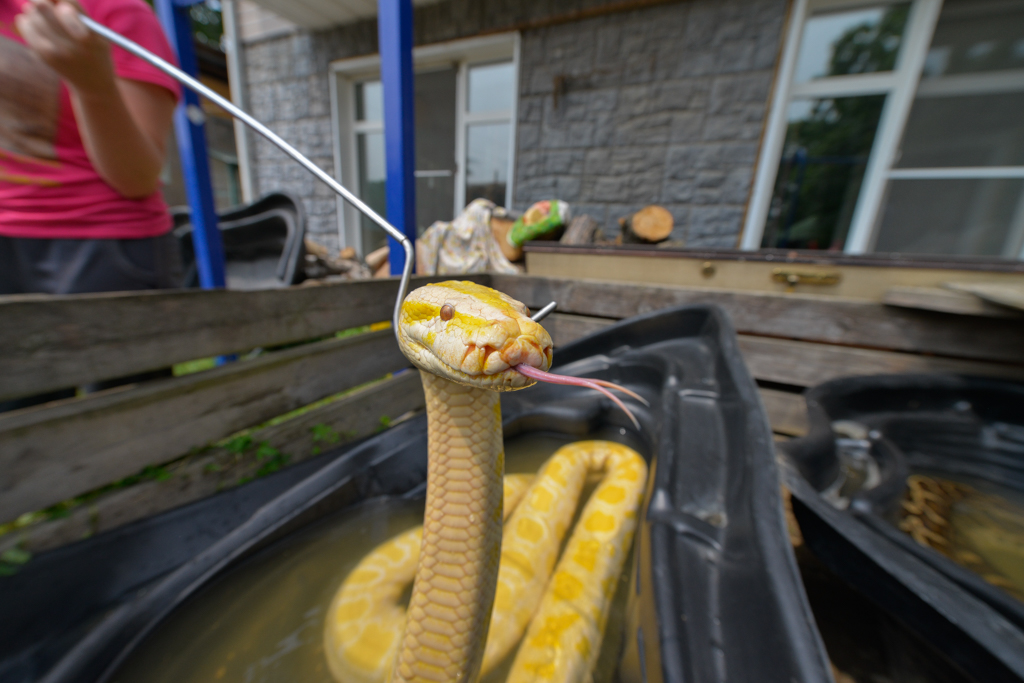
point(183, 78)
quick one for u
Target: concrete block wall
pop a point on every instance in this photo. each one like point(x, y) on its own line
point(662, 104)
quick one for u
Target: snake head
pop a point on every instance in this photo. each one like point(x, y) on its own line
point(472, 335)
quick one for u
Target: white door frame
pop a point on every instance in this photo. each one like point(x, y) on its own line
point(346, 73)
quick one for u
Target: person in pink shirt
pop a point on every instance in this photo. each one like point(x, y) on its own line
point(83, 137)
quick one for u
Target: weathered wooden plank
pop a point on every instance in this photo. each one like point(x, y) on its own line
point(806, 364)
point(57, 451)
point(49, 343)
point(1006, 294)
point(805, 317)
point(944, 300)
point(787, 412)
point(349, 418)
point(565, 328)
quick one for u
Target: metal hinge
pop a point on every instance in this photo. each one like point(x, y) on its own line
point(798, 277)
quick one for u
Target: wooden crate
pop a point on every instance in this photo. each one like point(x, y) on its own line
point(57, 451)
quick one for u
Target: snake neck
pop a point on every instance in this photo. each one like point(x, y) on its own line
point(453, 593)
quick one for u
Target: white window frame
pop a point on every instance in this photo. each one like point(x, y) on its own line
point(346, 73)
point(900, 86)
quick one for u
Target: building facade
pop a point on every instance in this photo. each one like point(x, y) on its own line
point(850, 125)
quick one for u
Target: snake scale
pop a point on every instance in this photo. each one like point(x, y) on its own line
point(474, 592)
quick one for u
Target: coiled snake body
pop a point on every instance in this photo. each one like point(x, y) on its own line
point(471, 342)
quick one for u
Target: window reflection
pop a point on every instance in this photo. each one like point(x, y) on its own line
point(965, 217)
point(972, 130)
point(865, 40)
point(966, 116)
point(490, 87)
point(369, 101)
point(823, 161)
point(971, 37)
point(487, 162)
point(372, 174)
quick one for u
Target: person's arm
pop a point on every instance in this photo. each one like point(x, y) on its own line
point(124, 124)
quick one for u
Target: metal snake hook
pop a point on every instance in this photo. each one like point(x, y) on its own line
point(544, 312)
point(183, 78)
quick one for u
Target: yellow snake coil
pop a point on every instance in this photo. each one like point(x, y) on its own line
point(366, 617)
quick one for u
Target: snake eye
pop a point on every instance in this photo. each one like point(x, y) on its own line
point(447, 312)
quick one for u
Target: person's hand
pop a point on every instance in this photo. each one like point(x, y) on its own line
point(54, 31)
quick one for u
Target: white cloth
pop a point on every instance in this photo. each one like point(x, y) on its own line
point(466, 245)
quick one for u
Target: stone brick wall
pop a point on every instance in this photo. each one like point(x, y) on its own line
point(663, 105)
point(288, 91)
point(656, 105)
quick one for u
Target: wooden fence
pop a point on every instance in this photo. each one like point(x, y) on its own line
point(53, 452)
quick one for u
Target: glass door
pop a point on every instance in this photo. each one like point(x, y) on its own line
point(434, 102)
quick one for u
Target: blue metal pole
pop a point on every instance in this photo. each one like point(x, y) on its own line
point(191, 138)
point(394, 25)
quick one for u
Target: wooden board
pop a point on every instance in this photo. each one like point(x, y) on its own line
point(565, 328)
point(787, 412)
point(944, 300)
point(57, 451)
point(805, 317)
point(352, 417)
point(864, 277)
point(805, 364)
point(1006, 294)
point(49, 343)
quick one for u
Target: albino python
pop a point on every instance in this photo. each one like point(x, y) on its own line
point(470, 342)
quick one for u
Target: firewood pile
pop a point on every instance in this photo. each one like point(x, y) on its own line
point(650, 225)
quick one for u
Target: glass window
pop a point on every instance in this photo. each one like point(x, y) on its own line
point(966, 130)
point(856, 41)
point(369, 101)
point(977, 217)
point(973, 36)
point(490, 87)
point(372, 176)
point(435, 146)
point(464, 123)
point(823, 161)
point(487, 162)
point(965, 122)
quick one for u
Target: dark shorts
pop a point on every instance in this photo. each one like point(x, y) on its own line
point(61, 266)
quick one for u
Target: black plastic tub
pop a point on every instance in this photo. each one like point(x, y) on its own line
point(715, 594)
point(960, 427)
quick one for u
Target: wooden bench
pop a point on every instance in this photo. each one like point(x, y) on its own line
point(182, 438)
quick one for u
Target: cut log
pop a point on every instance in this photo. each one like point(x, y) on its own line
point(376, 257)
point(581, 230)
point(649, 225)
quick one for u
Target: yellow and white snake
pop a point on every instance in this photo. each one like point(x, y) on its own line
point(470, 342)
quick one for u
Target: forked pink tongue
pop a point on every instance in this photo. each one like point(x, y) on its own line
point(595, 384)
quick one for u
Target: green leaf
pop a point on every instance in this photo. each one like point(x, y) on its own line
point(265, 451)
point(239, 444)
point(322, 432)
point(15, 556)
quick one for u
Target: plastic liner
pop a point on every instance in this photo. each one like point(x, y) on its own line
point(52, 602)
point(263, 243)
point(958, 426)
point(716, 593)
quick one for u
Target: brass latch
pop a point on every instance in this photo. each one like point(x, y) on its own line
point(792, 278)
